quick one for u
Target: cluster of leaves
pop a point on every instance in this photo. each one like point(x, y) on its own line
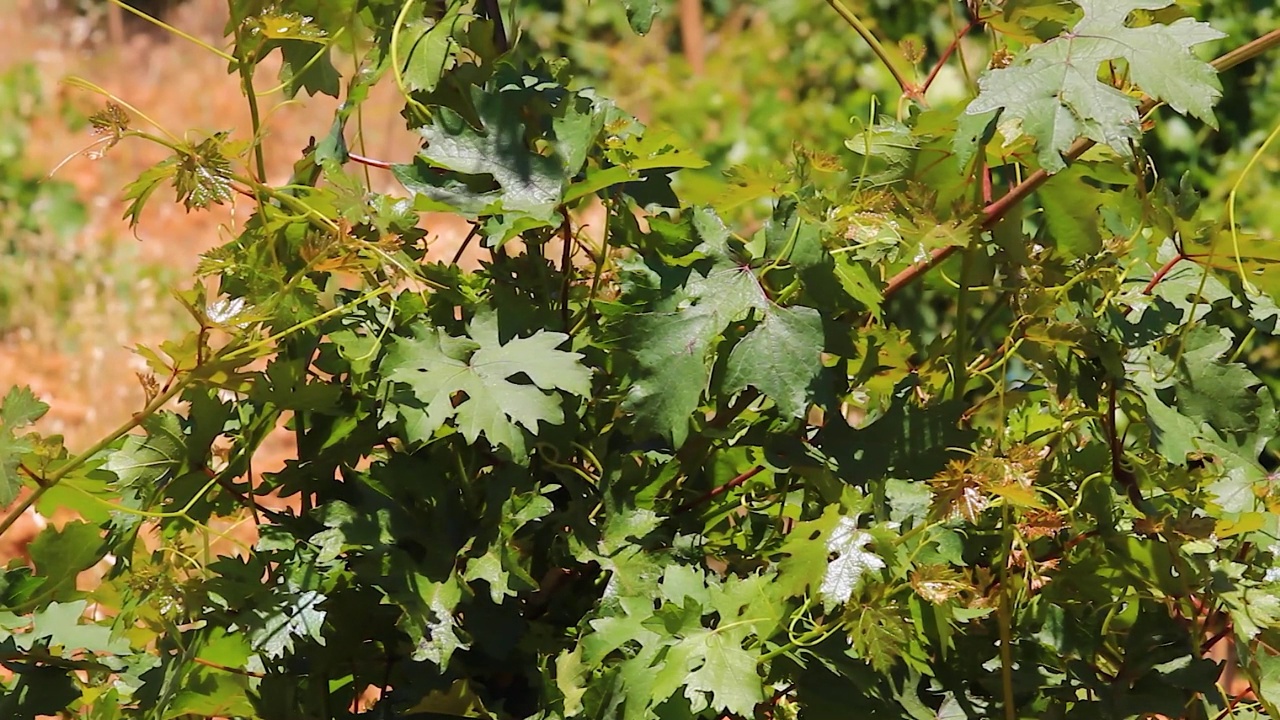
point(671, 467)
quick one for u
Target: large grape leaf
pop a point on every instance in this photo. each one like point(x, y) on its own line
point(726, 679)
point(1052, 91)
point(490, 170)
point(509, 149)
point(690, 632)
point(437, 371)
point(674, 344)
point(1201, 404)
point(781, 357)
point(674, 350)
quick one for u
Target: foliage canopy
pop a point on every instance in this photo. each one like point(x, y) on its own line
point(954, 427)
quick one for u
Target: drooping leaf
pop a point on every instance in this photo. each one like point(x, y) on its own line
point(146, 461)
point(640, 13)
point(307, 66)
point(885, 153)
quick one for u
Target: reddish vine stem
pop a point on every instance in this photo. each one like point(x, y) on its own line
point(1058, 552)
point(1218, 637)
point(566, 265)
point(371, 162)
point(475, 230)
point(991, 214)
point(996, 211)
point(1164, 270)
point(1123, 475)
point(946, 55)
point(716, 492)
point(36, 478)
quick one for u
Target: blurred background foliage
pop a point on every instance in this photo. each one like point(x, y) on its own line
point(56, 283)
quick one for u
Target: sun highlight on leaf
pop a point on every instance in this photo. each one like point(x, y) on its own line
point(849, 562)
point(1052, 91)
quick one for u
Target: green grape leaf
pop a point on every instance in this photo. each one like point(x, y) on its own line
point(640, 13)
point(148, 460)
point(307, 66)
point(60, 625)
point(1203, 405)
point(727, 674)
point(674, 349)
point(491, 169)
point(304, 50)
point(1071, 213)
point(674, 344)
point(432, 628)
point(509, 150)
point(209, 692)
point(781, 357)
point(61, 554)
point(20, 408)
point(437, 370)
point(1052, 91)
point(140, 190)
point(278, 25)
point(806, 558)
point(289, 615)
point(494, 174)
point(879, 635)
point(427, 48)
point(202, 176)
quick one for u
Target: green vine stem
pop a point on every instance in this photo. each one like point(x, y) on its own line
point(861, 28)
point(173, 30)
point(245, 67)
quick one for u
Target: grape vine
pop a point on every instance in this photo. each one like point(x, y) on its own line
point(957, 428)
